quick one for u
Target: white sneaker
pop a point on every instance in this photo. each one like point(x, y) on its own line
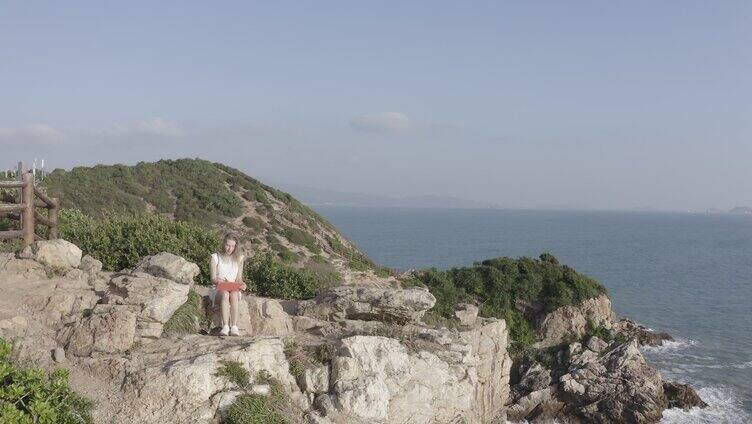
point(225, 330)
point(234, 331)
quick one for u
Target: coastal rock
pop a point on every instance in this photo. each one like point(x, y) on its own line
point(170, 266)
point(369, 303)
point(595, 344)
point(379, 380)
point(58, 253)
point(644, 335)
point(682, 396)
point(618, 386)
point(466, 314)
point(555, 327)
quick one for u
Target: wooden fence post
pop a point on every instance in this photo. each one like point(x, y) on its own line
point(27, 216)
point(52, 215)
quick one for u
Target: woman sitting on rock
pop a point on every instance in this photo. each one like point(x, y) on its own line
point(227, 267)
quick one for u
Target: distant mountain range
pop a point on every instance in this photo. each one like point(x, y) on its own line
point(319, 197)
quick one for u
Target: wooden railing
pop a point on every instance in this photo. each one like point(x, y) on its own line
point(26, 210)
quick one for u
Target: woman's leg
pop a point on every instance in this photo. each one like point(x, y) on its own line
point(234, 300)
point(224, 304)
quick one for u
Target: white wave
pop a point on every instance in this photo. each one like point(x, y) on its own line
point(724, 406)
point(670, 345)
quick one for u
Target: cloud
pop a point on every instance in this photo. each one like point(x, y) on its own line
point(33, 133)
point(159, 126)
point(382, 122)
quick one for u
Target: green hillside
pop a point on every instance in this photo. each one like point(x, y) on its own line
point(213, 195)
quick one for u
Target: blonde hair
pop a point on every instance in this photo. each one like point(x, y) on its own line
point(235, 255)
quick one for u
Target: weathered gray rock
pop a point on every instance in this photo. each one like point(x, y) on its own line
point(170, 266)
point(187, 389)
point(555, 327)
point(377, 379)
point(58, 355)
point(680, 395)
point(90, 265)
point(618, 386)
point(58, 253)
point(109, 329)
point(535, 378)
point(466, 314)
point(16, 269)
point(267, 317)
point(315, 380)
point(156, 298)
point(644, 335)
point(595, 344)
point(369, 303)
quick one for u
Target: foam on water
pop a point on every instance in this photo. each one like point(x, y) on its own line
point(670, 345)
point(723, 407)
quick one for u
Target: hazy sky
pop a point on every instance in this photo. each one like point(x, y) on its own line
point(587, 104)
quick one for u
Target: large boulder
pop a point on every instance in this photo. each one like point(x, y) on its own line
point(109, 329)
point(681, 395)
point(614, 387)
point(267, 317)
point(186, 388)
point(170, 266)
point(155, 299)
point(134, 308)
point(369, 303)
point(58, 253)
point(557, 326)
point(377, 379)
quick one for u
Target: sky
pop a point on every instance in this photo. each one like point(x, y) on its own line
point(534, 104)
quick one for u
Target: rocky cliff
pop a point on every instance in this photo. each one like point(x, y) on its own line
point(354, 354)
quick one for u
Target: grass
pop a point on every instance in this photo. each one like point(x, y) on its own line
point(189, 318)
point(251, 408)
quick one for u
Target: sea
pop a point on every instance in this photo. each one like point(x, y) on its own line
point(687, 274)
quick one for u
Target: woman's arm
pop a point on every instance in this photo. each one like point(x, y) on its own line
point(239, 277)
point(213, 270)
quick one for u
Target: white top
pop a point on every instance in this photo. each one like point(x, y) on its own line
point(226, 268)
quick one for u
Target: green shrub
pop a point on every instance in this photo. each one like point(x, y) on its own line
point(189, 317)
point(288, 256)
point(383, 272)
point(269, 278)
point(500, 285)
point(253, 223)
point(591, 329)
point(303, 238)
point(236, 373)
point(29, 395)
point(190, 189)
point(251, 408)
point(121, 240)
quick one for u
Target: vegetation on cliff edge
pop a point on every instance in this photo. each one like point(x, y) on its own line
point(513, 289)
point(29, 395)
